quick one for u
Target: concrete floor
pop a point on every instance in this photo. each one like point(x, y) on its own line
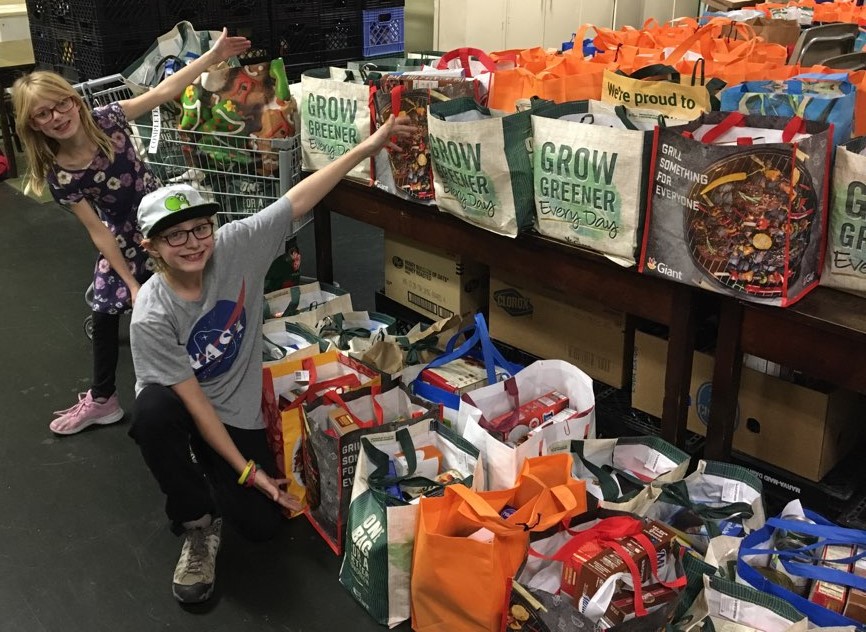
point(84, 543)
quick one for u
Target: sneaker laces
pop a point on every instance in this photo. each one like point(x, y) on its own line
point(82, 398)
point(198, 551)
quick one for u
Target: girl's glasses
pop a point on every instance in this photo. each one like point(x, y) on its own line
point(180, 237)
point(46, 114)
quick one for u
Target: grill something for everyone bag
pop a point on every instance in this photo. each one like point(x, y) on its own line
point(737, 206)
point(330, 457)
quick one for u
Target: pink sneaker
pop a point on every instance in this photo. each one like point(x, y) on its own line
point(86, 413)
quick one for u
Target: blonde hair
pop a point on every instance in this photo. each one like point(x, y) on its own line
point(41, 151)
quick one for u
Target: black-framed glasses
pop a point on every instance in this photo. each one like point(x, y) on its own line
point(180, 237)
point(44, 115)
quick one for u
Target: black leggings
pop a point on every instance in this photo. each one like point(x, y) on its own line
point(106, 348)
point(165, 432)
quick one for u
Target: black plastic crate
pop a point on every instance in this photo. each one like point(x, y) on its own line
point(110, 20)
point(39, 13)
point(44, 45)
point(62, 14)
point(92, 58)
point(297, 41)
point(196, 12)
point(341, 34)
point(294, 71)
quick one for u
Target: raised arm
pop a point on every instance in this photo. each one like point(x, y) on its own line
point(310, 191)
point(223, 49)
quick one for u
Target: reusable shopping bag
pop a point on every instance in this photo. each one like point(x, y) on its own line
point(716, 499)
point(336, 116)
point(845, 265)
point(380, 531)
point(354, 331)
point(806, 562)
point(482, 164)
point(737, 206)
point(626, 473)
point(475, 345)
point(480, 408)
point(282, 340)
point(466, 551)
point(392, 354)
point(728, 605)
point(591, 164)
point(669, 97)
point(646, 553)
point(290, 382)
point(182, 43)
point(307, 303)
point(824, 98)
point(330, 456)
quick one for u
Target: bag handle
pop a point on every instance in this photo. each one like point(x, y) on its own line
point(622, 114)
point(678, 494)
point(656, 70)
point(463, 55)
point(609, 488)
point(334, 327)
point(736, 119)
point(378, 416)
point(492, 356)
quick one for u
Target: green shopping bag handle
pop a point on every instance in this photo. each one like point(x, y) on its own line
point(678, 494)
point(344, 334)
point(606, 481)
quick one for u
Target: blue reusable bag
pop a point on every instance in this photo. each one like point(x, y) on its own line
point(479, 341)
point(815, 97)
point(828, 533)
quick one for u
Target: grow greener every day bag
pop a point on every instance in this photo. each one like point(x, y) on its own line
point(335, 117)
point(482, 164)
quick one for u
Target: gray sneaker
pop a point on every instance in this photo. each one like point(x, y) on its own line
point(195, 572)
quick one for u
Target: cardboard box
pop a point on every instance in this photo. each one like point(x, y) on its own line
point(433, 282)
point(787, 425)
point(544, 323)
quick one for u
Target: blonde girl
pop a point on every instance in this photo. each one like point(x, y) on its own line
point(91, 166)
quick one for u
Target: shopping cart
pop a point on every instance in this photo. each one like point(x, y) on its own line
point(244, 174)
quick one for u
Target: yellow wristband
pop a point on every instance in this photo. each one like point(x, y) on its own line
point(245, 474)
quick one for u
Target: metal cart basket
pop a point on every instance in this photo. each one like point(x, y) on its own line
point(244, 174)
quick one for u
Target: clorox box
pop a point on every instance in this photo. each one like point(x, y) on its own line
point(542, 322)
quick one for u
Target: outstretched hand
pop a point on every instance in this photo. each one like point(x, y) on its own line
point(388, 132)
point(226, 47)
point(273, 489)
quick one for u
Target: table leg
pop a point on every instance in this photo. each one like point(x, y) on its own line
point(8, 148)
point(324, 248)
point(678, 372)
point(726, 382)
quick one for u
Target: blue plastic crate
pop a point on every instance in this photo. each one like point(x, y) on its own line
point(383, 31)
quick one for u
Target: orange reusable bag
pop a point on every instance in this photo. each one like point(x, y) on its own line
point(572, 78)
point(465, 551)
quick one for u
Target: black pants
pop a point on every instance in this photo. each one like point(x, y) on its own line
point(165, 432)
point(106, 348)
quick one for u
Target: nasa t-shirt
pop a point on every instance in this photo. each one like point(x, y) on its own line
point(218, 338)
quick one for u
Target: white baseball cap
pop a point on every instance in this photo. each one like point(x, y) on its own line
point(172, 205)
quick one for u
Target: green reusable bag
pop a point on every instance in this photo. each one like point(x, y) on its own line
point(482, 164)
point(380, 533)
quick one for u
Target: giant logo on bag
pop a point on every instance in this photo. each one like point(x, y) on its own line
point(513, 302)
point(215, 339)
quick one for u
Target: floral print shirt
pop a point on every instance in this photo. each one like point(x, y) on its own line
point(114, 189)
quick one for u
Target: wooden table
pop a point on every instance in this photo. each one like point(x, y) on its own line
point(15, 56)
point(823, 335)
point(568, 269)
